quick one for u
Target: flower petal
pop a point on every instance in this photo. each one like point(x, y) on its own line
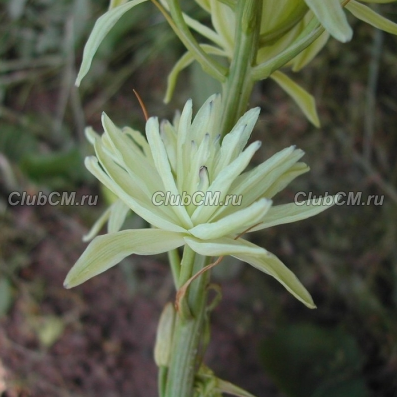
point(307, 55)
point(223, 246)
point(101, 29)
point(164, 168)
point(117, 217)
point(108, 250)
point(287, 213)
point(234, 142)
point(331, 15)
point(155, 216)
point(224, 180)
point(364, 13)
point(270, 264)
point(184, 61)
point(231, 224)
point(97, 226)
point(255, 183)
point(258, 258)
point(303, 99)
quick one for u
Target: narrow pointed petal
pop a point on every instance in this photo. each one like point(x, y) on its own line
point(108, 250)
point(133, 159)
point(364, 13)
point(162, 220)
point(233, 223)
point(183, 62)
point(258, 258)
point(117, 217)
point(204, 30)
point(287, 213)
point(97, 226)
point(331, 15)
point(254, 184)
point(285, 179)
point(101, 29)
point(224, 180)
point(270, 264)
point(308, 54)
point(91, 135)
point(164, 168)
point(302, 98)
point(223, 246)
point(235, 141)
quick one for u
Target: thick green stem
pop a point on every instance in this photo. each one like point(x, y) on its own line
point(239, 84)
point(187, 332)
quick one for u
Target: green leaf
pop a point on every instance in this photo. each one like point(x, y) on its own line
point(364, 13)
point(303, 99)
point(108, 250)
point(331, 15)
point(101, 29)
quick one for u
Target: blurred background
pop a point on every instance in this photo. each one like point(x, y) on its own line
point(98, 339)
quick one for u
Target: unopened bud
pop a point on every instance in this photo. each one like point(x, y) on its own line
point(165, 330)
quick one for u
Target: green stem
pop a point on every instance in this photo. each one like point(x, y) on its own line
point(162, 380)
point(187, 332)
point(175, 263)
point(239, 84)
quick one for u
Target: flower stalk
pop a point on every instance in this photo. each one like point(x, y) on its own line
point(239, 84)
point(187, 332)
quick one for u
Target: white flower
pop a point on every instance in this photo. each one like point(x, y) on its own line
point(188, 157)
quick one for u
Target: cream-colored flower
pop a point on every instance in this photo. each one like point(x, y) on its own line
point(284, 23)
point(188, 156)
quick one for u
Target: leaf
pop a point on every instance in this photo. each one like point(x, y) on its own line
point(303, 99)
point(331, 15)
point(364, 13)
point(101, 29)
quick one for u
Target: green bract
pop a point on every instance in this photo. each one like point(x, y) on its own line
point(187, 156)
